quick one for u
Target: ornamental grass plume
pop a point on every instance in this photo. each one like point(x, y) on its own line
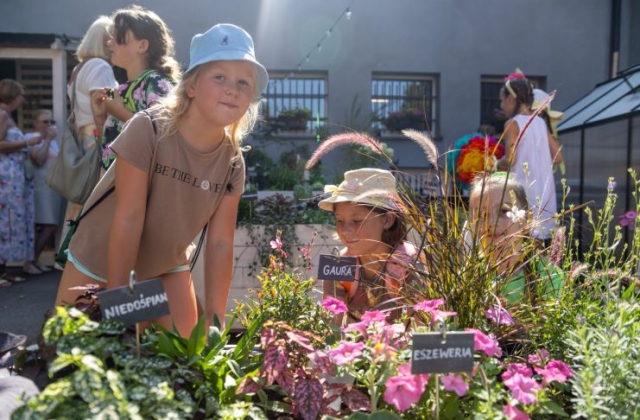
point(353, 138)
point(426, 144)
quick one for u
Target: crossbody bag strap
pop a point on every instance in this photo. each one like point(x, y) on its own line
point(196, 253)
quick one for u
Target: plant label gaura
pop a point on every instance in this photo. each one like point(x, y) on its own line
point(146, 301)
point(337, 268)
point(438, 353)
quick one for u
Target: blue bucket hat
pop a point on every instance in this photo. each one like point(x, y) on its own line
point(226, 42)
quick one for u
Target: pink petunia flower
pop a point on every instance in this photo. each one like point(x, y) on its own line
point(438, 315)
point(517, 368)
point(335, 306)
point(522, 388)
point(499, 316)
point(483, 342)
point(370, 317)
point(428, 305)
point(346, 352)
point(358, 327)
point(513, 413)
point(403, 391)
point(535, 359)
point(556, 370)
point(455, 383)
point(405, 370)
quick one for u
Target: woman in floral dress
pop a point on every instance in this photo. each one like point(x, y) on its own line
point(16, 190)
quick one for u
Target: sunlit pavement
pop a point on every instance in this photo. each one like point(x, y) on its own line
point(23, 305)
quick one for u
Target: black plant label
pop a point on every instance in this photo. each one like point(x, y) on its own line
point(147, 300)
point(337, 268)
point(442, 353)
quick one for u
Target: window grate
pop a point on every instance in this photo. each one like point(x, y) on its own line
point(404, 101)
point(288, 93)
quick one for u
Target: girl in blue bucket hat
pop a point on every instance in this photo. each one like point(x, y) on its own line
point(178, 169)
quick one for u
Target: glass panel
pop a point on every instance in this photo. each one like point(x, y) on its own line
point(605, 155)
point(622, 107)
point(598, 104)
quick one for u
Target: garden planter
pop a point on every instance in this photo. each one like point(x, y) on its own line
point(246, 266)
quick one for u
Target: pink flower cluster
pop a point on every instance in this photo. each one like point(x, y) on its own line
point(518, 377)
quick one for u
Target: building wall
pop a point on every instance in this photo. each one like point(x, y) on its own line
point(459, 40)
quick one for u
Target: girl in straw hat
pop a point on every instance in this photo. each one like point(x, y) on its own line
point(172, 182)
point(370, 224)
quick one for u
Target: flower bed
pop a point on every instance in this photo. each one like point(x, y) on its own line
point(572, 351)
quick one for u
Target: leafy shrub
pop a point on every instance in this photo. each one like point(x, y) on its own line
point(605, 353)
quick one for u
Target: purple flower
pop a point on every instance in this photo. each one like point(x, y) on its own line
point(612, 185)
point(335, 306)
point(499, 316)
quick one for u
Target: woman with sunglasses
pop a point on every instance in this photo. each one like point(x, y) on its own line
point(49, 205)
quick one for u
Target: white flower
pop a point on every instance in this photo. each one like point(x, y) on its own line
point(516, 215)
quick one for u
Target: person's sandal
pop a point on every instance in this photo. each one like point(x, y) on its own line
point(11, 278)
point(42, 267)
point(31, 269)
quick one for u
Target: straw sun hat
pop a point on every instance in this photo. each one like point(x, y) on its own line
point(369, 186)
point(539, 96)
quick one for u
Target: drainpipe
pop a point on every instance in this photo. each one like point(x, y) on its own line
point(614, 46)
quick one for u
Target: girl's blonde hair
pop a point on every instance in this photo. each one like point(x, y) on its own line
point(501, 181)
point(177, 102)
point(93, 42)
point(145, 24)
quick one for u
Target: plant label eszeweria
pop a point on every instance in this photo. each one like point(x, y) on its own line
point(147, 300)
point(337, 268)
point(442, 353)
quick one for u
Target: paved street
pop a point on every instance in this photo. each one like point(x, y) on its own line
point(22, 306)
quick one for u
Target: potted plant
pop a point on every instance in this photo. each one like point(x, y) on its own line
point(295, 119)
point(407, 118)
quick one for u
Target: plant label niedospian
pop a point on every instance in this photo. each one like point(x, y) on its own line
point(148, 300)
point(432, 354)
point(335, 268)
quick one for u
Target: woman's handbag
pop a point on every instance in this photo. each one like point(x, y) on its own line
point(76, 171)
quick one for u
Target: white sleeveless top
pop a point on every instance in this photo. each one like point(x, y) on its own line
point(96, 73)
point(537, 179)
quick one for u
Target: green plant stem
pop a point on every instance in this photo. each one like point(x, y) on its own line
point(436, 404)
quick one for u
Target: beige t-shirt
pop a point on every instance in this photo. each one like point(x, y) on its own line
point(185, 191)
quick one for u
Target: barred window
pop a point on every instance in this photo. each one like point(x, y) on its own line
point(490, 112)
point(400, 101)
point(301, 96)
